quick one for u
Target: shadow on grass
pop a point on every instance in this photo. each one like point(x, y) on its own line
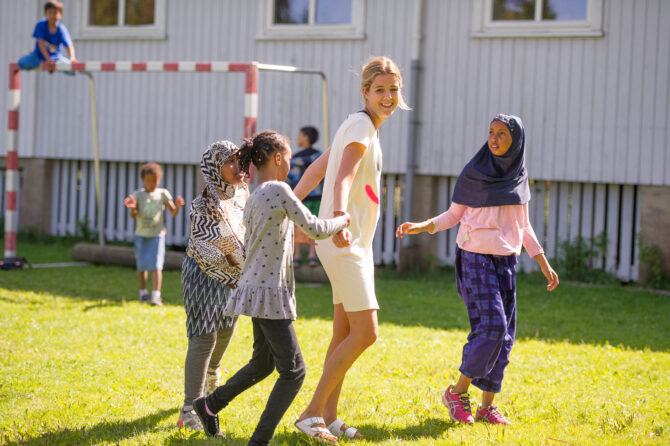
point(108, 431)
point(613, 314)
point(427, 429)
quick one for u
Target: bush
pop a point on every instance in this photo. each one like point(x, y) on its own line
point(578, 257)
point(650, 257)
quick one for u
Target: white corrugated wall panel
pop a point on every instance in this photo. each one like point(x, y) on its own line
point(17, 20)
point(170, 117)
point(596, 109)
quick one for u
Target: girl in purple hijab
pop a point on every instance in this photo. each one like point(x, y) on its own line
point(490, 202)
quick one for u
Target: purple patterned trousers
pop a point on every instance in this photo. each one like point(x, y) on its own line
point(487, 284)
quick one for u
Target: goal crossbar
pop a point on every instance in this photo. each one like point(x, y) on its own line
point(250, 69)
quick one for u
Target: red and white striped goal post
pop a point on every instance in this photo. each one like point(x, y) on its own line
point(12, 173)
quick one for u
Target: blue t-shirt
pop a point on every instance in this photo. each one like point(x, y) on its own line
point(52, 41)
point(299, 164)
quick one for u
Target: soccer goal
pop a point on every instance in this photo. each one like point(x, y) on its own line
point(248, 69)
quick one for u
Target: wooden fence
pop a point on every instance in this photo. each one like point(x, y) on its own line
point(560, 211)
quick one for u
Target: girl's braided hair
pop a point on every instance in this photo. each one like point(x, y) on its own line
point(258, 149)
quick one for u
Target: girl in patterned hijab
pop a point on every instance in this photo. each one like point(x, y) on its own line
point(211, 269)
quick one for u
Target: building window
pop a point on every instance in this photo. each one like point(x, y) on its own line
point(519, 18)
point(313, 19)
point(122, 19)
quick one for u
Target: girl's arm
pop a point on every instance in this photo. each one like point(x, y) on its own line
point(312, 176)
point(174, 206)
point(534, 250)
point(548, 271)
point(414, 228)
point(310, 224)
point(443, 221)
point(131, 204)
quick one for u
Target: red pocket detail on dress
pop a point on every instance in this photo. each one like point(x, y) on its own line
point(371, 194)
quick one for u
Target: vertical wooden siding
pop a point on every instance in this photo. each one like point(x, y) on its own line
point(170, 117)
point(563, 211)
point(559, 212)
point(595, 109)
point(73, 204)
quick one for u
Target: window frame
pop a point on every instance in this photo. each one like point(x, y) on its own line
point(484, 26)
point(92, 32)
point(272, 31)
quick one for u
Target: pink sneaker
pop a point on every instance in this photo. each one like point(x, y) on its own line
point(491, 415)
point(458, 405)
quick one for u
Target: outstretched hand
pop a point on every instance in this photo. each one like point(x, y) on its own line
point(408, 228)
point(130, 202)
point(179, 201)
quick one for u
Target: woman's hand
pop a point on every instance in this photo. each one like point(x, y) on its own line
point(342, 239)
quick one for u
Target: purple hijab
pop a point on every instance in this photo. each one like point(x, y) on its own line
point(492, 180)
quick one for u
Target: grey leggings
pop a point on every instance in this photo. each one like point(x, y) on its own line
point(203, 351)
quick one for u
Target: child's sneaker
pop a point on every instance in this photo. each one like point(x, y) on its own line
point(458, 405)
point(212, 380)
point(491, 415)
point(156, 299)
point(210, 423)
point(189, 419)
point(144, 297)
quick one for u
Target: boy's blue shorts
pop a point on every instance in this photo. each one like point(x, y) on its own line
point(150, 253)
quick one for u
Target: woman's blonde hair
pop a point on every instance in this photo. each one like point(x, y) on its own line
point(382, 65)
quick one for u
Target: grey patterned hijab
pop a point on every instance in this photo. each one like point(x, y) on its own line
point(217, 229)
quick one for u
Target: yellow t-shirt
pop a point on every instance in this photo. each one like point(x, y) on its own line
point(150, 220)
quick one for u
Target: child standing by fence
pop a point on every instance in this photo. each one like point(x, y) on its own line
point(266, 289)
point(300, 161)
point(147, 207)
point(491, 202)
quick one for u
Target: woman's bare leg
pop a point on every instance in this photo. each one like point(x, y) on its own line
point(340, 333)
point(362, 334)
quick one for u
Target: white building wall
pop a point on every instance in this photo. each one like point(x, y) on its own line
point(170, 117)
point(595, 109)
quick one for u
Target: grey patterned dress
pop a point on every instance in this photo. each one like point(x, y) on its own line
point(266, 288)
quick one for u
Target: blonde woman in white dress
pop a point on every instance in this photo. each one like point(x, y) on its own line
point(352, 170)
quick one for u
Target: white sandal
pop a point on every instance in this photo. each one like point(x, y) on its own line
point(336, 429)
point(309, 427)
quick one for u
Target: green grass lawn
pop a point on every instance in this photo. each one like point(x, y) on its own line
point(83, 362)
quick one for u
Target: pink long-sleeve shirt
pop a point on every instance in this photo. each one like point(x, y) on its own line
point(497, 230)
